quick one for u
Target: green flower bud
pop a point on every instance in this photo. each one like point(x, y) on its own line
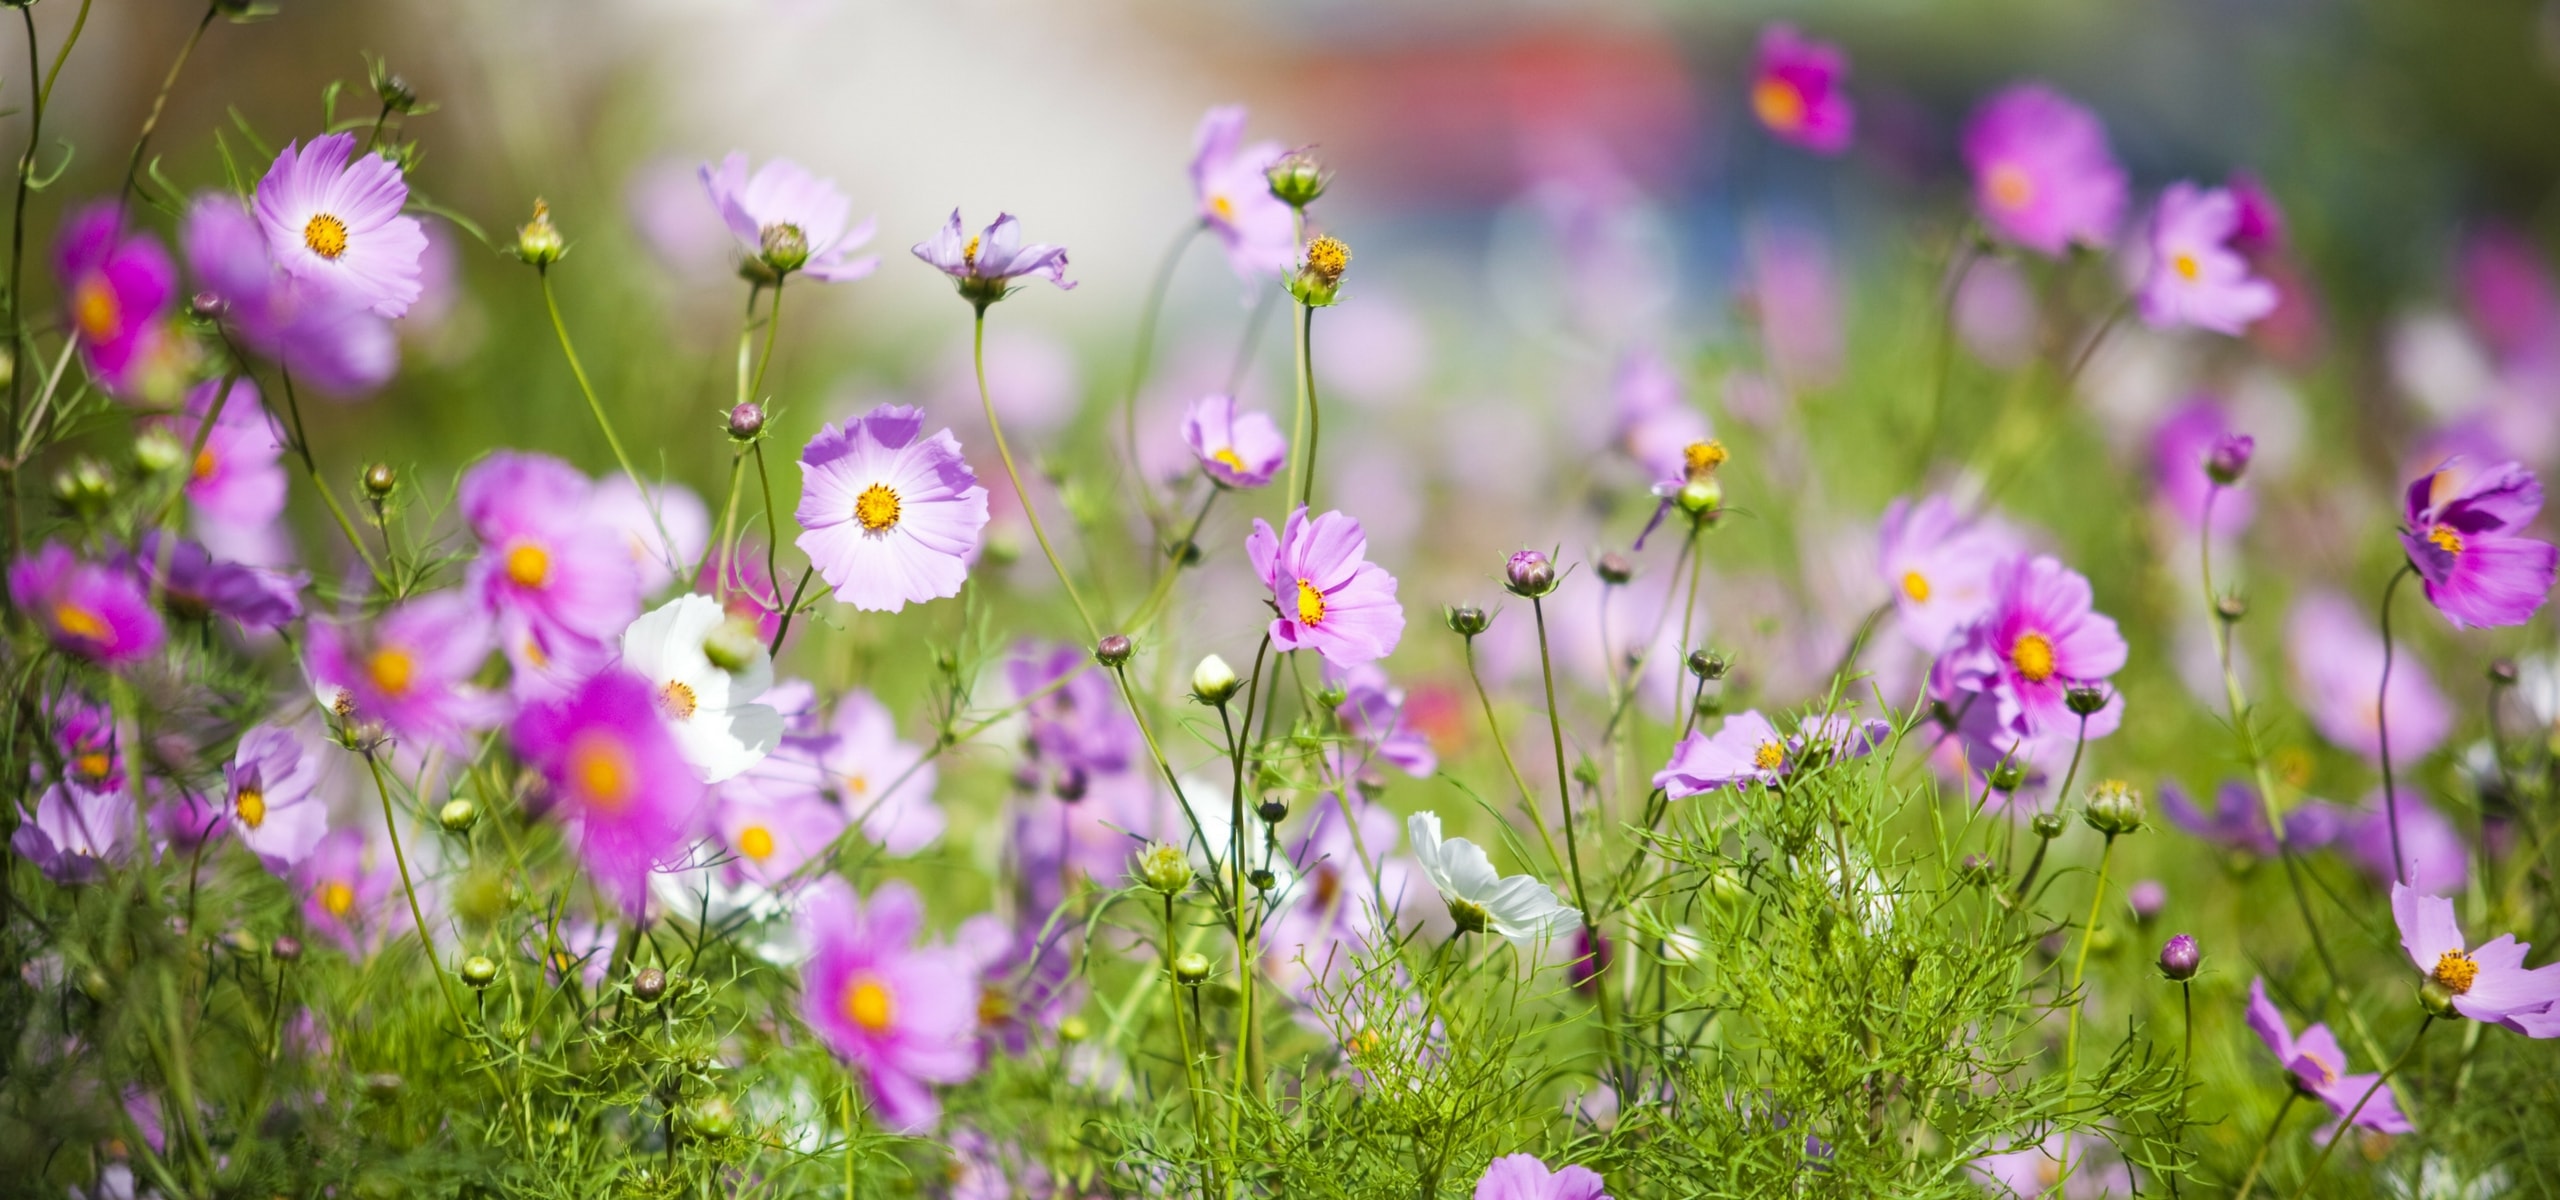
point(378, 481)
point(478, 971)
point(2113, 808)
point(458, 815)
point(538, 241)
point(733, 645)
point(1213, 682)
point(158, 451)
point(1162, 868)
point(2047, 825)
point(2437, 999)
point(1467, 620)
point(1191, 968)
point(1296, 178)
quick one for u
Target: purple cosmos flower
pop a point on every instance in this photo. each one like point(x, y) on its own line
point(86, 734)
point(346, 885)
point(615, 773)
point(236, 486)
point(2463, 534)
point(773, 836)
point(1259, 230)
point(2181, 449)
point(889, 518)
point(2239, 822)
point(863, 762)
point(1238, 450)
point(330, 341)
point(2337, 671)
point(410, 670)
point(1938, 565)
point(1748, 749)
point(183, 820)
point(2438, 856)
point(984, 266)
point(904, 1015)
point(1025, 984)
point(2039, 640)
point(1524, 1177)
point(2488, 983)
point(1078, 725)
point(544, 568)
point(2319, 1067)
point(1796, 90)
point(196, 584)
point(272, 783)
point(1328, 596)
point(2035, 1171)
point(75, 830)
point(788, 219)
point(1372, 711)
point(2042, 174)
point(89, 610)
point(336, 223)
point(2194, 276)
point(117, 283)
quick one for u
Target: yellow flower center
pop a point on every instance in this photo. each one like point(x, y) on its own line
point(528, 565)
point(338, 898)
point(756, 842)
point(2033, 655)
point(79, 621)
point(2186, 266)
point(1234, 461)
point(1327, 256)
point(326, 235)
point(392, 670)
point(2010, 187)
point(251, 807)
point(602, 771)
point(1698, 458)
point(1779, 104)
point(1770, 756)
point(2446, 539)
point(969, 253)
point(677, 700)
point(1225, 208)
point(2457, 971)
point(1916, 586)
point(205, 464)
point(876, 508)
point(94, 309)
point(1310, 604)
point(867, 1001)
point(857, 786)
point(92, 765)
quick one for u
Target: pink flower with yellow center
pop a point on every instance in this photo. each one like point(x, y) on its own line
point(1796, 92)
point(2195, 277)
point(902, 1015)
point(1258, 229)
point(1325, 593)
point(1937, 565)
point(1237, 449)
point(2319, 1067)
point(118, 284)
point(89, 610)
point(1748, 749)
point(2039, 639)
point(2487, 983)
point(2043, 176)
point(409, 671)
point(889, 516)
point(346, 884)
point(2464, 533)
point(616, 779)
point(546, 568)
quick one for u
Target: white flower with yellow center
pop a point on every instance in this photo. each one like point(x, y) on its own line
point(1480, 900)
point(706, 678)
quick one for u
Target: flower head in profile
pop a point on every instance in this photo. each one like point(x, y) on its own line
point(1515, 906)
point(1229, 179)
point(75, 832)
point(332, 218)
point(545, 569)
point(2040, 639)
point(2464, 532)
point(195, 584)
point(1328, 596)
point(616, 777)
point(271, 797)
point(88, 610)
point(903, 1015)
point(1938, 566)
point(2319, 1067)
point(1747, 750)
point(1237, 449)
point(2043, 176)
point(2487, 983)
point(705, 671)
point(2194, 276)
point(118, 284)
point(984, 265)
point(332, 342)
point(1526, 1177)
point(890, 518)
point(786, 219)
point(409, 671)
point(1796, 90)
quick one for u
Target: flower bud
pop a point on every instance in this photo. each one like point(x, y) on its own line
point(2007, 775)
point(1466, 620)
point(1699, 497)
point(1074, 1029)
point(784, 247)
point(2502, 671)
point(1261, 878)
point(1529, 574)
point(1978, 870)
point(2180, 958)
point(1272, 810)
point(711, 1116)
point(1614, 569)
point(378, 480)
point(733, 644)
point(2437, 999)
point(1213, 681)
point(538, 241)
point(1162, 868)
point(2113, 808)
point(649, 984)
point(2231, 608)
point(2229, 458)
point(1191, 968)
point(1319, 278)
point(478, 971)
point(2085, 699)
point(458, 815)
point(84, 484)
point(1112, 651)
point(208, 305)
point(1296, 178)
point(395, 92)
point(286, 948)
point(2046, 825)
point(157, 451)
point(746, 421)
point(1708, 665)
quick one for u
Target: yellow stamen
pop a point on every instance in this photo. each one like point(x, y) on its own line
point(1310, 604)
point(601, 769)
point(2033, 654)
point(80, 622)
point(877, 508)
point(94, 309)
point(337, 898)
point(1770, 756)
point(92, 765)
point(205, 463)
point(1327, 256)
point(2445, 539)
point(2186, 266)
point(1225, 208)
point(251, 807)
point(1699, 458)
point(1230, 457)
point(857, 786)
point(677, 700)
point(2010, 187)
point(528, 565)
point(969, 253)
point(1779, 104)
point(1916, 586)
point(756, 842)
point(2457, 971)
point(867, 1002)
point(392, 670)
point(326, 235)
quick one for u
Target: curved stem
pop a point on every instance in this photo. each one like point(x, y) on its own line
point(2250, 1180)
point(311, 467)
point(1143, 357)
point(2382, 728)
point(773, 527)
point(417, 916)
point(18, 235)
point(161, 101)
point(978, 358)
point(2379, 1081)
point(1528, 798)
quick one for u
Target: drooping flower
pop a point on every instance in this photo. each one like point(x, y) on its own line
point(2040, 639)
point(118, 284)
point(709, 702)
point(616, 776)
point(786, 219)
point(1748, 749)
point(1329, 597)
point(2042, 174)
point(193, 583)
point(2194, 276)
point(1938, 566)
point(2319, 1067)
point(2337, 670)
point(346, 884)
point(983, 266)
point(2487, 983)
point(2464, 534)
point(91, 610)
point(771, 837)
point(410, 670)
point(75, 831)
point(1525, 1177)
point(332, 217)
point(1238, 450)
point(889, 518)
point(1515, 906)
point(1258, 229)
point(1372, 711)
point(544, 567)
point(272, 800)
point(1796, 90)
point(904, 1015)
point(329, 341)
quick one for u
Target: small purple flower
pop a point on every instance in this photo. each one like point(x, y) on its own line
point(1938, 565)
point(89, 610)
point(410, 670)
point(196, 584)
point(2194, 276)
point(1372, 711)
point(771, 837)
point(1258, 229)
point(2146, 898)
point(117, 283)
point(788, 219)
point(616, 776)
point(86, 734)
point(2040, 639)
point(2463, 533)
point(2319, 1067)
point(1796, 90)
point(2438, 856)
point(1079, 724)
point(75, 830)
point(2239, 822)
point(236, 485)
point(2488, 983)
point(1524, 1177)
point(329, 341)
point(1748, 749)
point(544, 567)
point(2337, 671)
point(346, 885)
point(904, 1015)
point(1327, 596)
point(1237, 449)
point(272, 783)
point(890, 518)
point(984, 265)
point(2042, 174)
point(332, 218)
point(2184, 450)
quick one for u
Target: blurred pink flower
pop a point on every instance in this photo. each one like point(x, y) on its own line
point(2337, 672)
point(1796, 90)
point(2043, 175)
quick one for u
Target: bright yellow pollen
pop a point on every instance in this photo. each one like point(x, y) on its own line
point(1698, 458)
point(1310, 604)
point(2010, 187)
point(2445, 539)
point(2457, 971)
point(677, 700)
point(391, 669)
point(2186, 266)
point(205, 464)
point(969, 253)
point(95, 311)
point(1228, 456)
point(756, 842)
point(92, 765)
point(1327, 256)
point(337, 897)
point(326, 235)
point(78, 621)
point(876, 508)
point(1916, 586)
point(2033, 655)
point(1225, 208)
point(867, 1002)
point(251, 807)
point(602, 770)
point(528, 565)
point(1769, 757)
point(1779, 104)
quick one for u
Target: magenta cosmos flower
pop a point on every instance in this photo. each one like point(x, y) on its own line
point(1237, 449)
point(2194, 276)
point(2319, 1067)
point(984, 265)
point(557, 581)
point(196, 585)
point(1938, 565)
point(1328, 596)
point(2042, 174)
point(89, 610)
point(2464, 535)
point(1258, 229)
point(2040, 639)
point(2488, 983)
point(409, 670)
point(332, 217)
point(117, 285)
point(904, 1015)
point(889, 518)
point(272, 800)
point(1748, 749)
point(772, 836)
point(788, 219)
point(2337, 672)
point(1524, 1177)
point(1796, 90)
point(329, 341)
point(346, 884)
point(236, 486)
point(616, 777)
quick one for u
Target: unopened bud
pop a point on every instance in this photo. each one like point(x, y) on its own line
point(286, 948)
point(1978, 870)
point(784, 248)
point(2047, 825)
point(1163, 869)
point(2007, 776)
point(1614, 569)
point(1074, 1029)
point(1296, 178)
point(2229, 458)
point(1272, 810)
point(734, 644)
point(746, 421)
point(649, 984)
point(458, 815)
point(1112, 651)
point(2085, 699)
point(2113, 808)
point(1191, 968)
point(1708, 665)
point(2231, 607)
point(1467, 620)
point(157, 451)
point(1261, 878)
point(1213, 682)
point(84, 484)
point(538, 241)
point(2180, 958)
point(478, 971)
point(395, 92)
point(2502, 671)
point(1529, 574)
point(379, 479)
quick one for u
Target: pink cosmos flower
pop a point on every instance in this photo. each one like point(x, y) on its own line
point(332, 218)
point(616, 777)
point(2258, 230)
point(1524, 1177)
point(770, 836)
point(409, 670)
point(2042, 174)
point(2194, 276)
point(347, 885)
point(2040, 639)
point(889, 518)
point(544, 567)
point(1258, 229)
point(236, 486)
point(640, 517)
point(2489, 983)
point(1238, 450)
point(89, 610)
point(85, 732)
point(2464, 534)
point(2319, 1067)
point(329, 341)
point(985, 265)
point(904, 1015)
point(861, 761)
point(272, 783)
point(1796, 90)
point(1938, 565)
point(1328, 596)
point(118, 284)
point(2239, 821)
point(788, 219)
point(1747, 749)
point(1329, 911)
point(1372, 711)
point(196, 585)
point(1078, 725)
point(2337, 671)
point(75, 831)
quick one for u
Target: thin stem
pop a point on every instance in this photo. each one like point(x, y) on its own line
point(2382, 728)
point(772, 329)
point(1315, 411)
point(1301, 450)
point(1528, 798)
point(978, 357)
point(783, 626)
point(845, 1105)
point(2250, 1180)
point(38, 100)
point(772, 520)
point(1564, 782)
point(1181, 1028)
point(417, 916)
point(1235, 915)
point(1143, 357)
point(311, 468)
point(1173, 567)
point(2349, 1122)
point(2080, 999)
point(161, 101)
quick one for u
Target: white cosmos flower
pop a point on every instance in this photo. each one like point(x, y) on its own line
point(718, 726)
point(1515, 906)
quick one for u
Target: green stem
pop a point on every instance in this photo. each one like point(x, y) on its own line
point(2080, 967)
point(18, 240)
point(1301, 446)
point(417, 916)
point(1528, 798)
point(772, 330)
point(2349, 1123)
point(2267, 1143)
point(311, 468)
point(161, 101)
point(2382, 727)
point(978, 357)
point(1564, 782)
point(1173, 567)
point(773, 523)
